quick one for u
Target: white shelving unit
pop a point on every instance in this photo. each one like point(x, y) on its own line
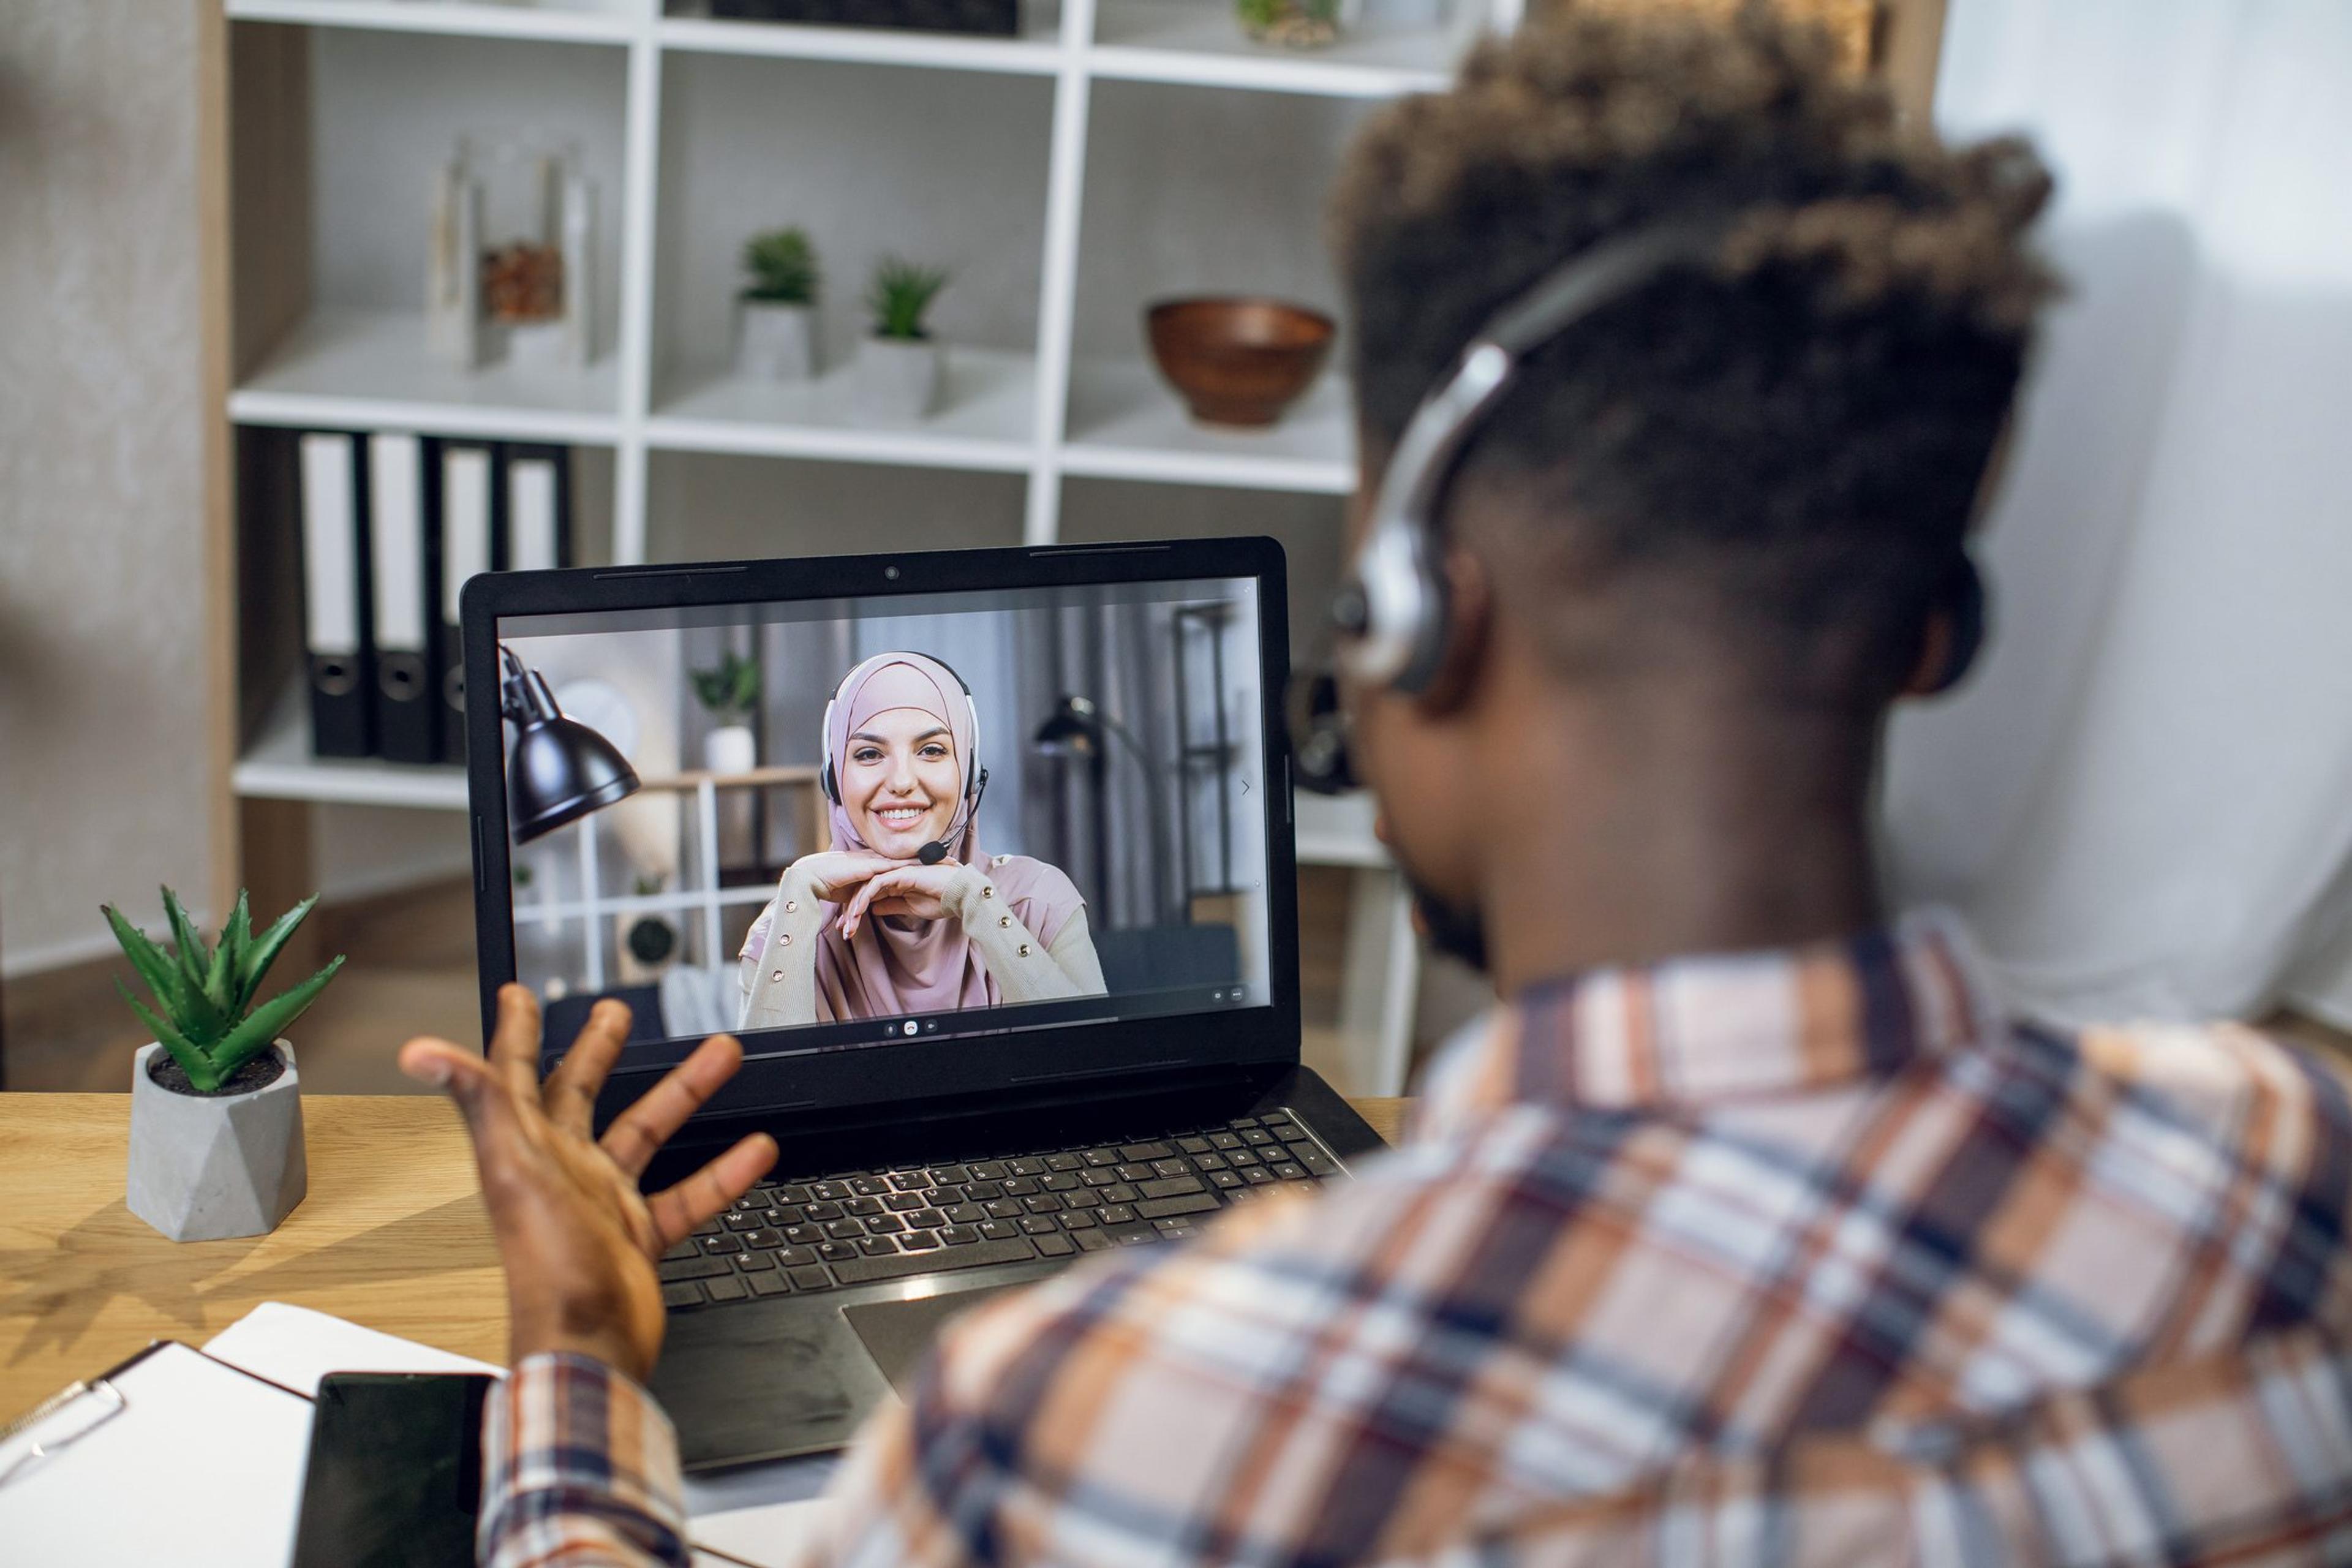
point(1032, 394)
point(1035, 411)
point(1117, 149)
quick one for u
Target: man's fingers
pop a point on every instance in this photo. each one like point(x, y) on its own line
point(640, 1131)
point(677, 1210)
point(569, 1094)
point(481, 1096)
point(514, 1044)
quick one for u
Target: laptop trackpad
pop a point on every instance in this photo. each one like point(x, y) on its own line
point(896, 1334)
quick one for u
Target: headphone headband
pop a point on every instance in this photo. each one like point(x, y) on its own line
point(1392, 611)
point(975, 777)
point(1390, 614)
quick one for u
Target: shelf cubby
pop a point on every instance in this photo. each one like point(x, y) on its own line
point(1189, 43)
point(1310, 527)
point(1036, 51)
point(1193, 192)
point(958, 182)
point(1125, 423)
point(358, 369)
point(722, 506)
point(379, 110)
point(559, 21)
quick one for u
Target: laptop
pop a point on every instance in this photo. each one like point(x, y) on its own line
point(1097, 732)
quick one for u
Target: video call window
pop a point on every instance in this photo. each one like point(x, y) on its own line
point(848, 822)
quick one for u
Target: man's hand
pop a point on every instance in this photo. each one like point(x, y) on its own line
point(578, 1239)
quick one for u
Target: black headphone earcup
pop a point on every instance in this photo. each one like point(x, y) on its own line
point(832, 789)
point(1961, 602)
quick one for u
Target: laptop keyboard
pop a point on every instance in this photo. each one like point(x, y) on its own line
point(857, 1227)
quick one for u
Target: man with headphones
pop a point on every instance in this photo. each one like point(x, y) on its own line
point(1751, 1227)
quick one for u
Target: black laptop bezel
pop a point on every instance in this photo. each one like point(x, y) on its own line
point(919, 1069)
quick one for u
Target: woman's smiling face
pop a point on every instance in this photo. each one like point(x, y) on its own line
point(900, 781)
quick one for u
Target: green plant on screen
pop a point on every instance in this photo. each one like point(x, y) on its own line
point(733, 687)
point(207, 1020)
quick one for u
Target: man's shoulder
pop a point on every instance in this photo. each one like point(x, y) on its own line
point(2226, 1081)
point(1278, 1271)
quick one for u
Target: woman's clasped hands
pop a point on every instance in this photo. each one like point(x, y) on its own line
point(874, 884)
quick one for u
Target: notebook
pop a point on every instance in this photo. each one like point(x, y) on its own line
point(126, 1470)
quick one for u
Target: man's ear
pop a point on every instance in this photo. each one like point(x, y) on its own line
point(1469, 629)
point(1953, 634)
point(1931, 672)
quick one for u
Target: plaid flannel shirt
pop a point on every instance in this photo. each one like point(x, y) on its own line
point(1811, 1256)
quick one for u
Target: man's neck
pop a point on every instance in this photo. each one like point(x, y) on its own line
point(1694, 828)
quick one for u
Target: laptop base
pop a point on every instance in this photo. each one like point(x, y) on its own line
point(776, 1378)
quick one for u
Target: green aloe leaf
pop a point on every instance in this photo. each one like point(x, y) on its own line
point(264, 948)
point(235, 938)
point(270, 1019)
point(154, 965)
point(202, 1074)
point(194, 957)
point(218, 979)
point(200, 1019)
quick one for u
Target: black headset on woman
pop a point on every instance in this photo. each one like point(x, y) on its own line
point(1391, 614)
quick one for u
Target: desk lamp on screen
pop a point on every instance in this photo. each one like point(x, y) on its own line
point(559, 770)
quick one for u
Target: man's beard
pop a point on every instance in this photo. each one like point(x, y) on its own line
point(1452, 930)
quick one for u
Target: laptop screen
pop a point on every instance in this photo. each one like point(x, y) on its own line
point(861, 822)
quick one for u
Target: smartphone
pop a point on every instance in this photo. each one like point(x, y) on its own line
point(395, 1473)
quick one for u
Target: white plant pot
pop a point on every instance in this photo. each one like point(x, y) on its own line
point(898, 379)
point(732, 750)
point(776, 342)
point(208, 1166)
point(629, 968)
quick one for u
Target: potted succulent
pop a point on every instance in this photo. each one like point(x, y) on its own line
point(1292, 23)
point(899, 369)
point(216, 1104)
point(775, 323)
point(730, 693)
point(650, 943)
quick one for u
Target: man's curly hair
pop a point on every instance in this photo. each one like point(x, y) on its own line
point(1800, 429)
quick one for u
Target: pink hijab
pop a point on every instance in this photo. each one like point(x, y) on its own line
point(896, 964)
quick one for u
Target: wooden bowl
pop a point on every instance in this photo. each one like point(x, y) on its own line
point(1238, 362)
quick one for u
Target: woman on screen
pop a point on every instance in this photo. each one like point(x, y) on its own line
point(905, 913)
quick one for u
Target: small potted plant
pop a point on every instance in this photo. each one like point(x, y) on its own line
point(216, 1104)
point(651, 941)
point(730, 693)
point(1291, 23)
point(775, 325)
point(899, 369)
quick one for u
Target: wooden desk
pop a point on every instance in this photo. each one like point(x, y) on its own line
point(393, 1236)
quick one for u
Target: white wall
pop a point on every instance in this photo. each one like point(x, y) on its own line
point(2142, 801)
point(102, 722)
point(102, 614)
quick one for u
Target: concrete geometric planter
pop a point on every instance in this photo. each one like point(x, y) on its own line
point(898, 379)
point(208, 1166)
point(731, 749)
point(774, 341)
